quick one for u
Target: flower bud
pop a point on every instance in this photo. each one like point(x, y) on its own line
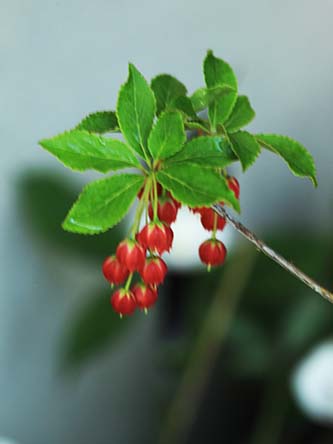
point(145, 296)
point(123, 302)
point(212, 252)
point(166, 211)
point(154, 271)
point(156, 236)
point(208, 219)
point(114, 271)
point(131, 254)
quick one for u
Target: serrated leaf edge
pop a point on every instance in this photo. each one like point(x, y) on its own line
point(115, 130)
point(244, 168)
point(170, 76)
point(236, 129)
point(142, 148)
point(163, 113)
point(40, 142)
point(289, 139)
point(236, 208)
point(211, 52)
point(80, 197)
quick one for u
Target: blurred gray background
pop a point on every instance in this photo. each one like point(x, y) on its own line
point(61, 60)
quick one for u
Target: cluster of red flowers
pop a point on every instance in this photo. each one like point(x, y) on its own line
point(142, 253)
point(213, 252)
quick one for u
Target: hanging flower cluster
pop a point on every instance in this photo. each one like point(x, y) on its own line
point(142, 251)
point(167, 169)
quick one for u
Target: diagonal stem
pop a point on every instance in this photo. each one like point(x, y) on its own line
point(261, 246)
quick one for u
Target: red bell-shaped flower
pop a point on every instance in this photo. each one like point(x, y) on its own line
point(156, 236)
point(123, 301)
point(208, 219)
point(212, 252)
point(154, 271)
point(131, 254)
point(145, 296)
point(114, 271)
point(166, 211)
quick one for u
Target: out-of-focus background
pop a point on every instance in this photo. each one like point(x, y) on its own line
point(243, 354)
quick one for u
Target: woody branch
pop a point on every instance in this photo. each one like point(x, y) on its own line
point(276, 257)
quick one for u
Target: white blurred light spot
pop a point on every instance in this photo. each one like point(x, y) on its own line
point(312, 383)
point(7, 441)
point(188, 235)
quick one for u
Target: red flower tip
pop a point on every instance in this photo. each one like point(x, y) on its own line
point(166, 211)
point(131, 254)
point(154, 271)
point(208, 219)
point(145, 296)
point(212, 252)
point(156, 236)
point(123, 302)
point(114, 271)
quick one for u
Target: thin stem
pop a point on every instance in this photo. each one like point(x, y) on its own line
point(225, 133)
point(143, 169)
point(140, 208)
point(137, 219)
point(155, 197)
point(215, 226)
point(128, 282)
point(147, 206)
point(147, 159)
point(261, 246)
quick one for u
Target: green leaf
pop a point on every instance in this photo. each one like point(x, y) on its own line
point(166, 89)
point(245, 147)
point(100, 122)
point(184, 105)
point(203, 97)
point(220, 109)
point(136, 110)
point(199, 99)
point(103, 203)
point(241, 115)
point(80, 151)
point(208, 152)
point(198, 124)
point(196, 186)
point(297, 157)
point(218, 73)
point(168, 135)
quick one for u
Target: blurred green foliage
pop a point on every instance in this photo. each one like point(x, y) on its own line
point(44, 198)
point(93, 329)
point(277, 321)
